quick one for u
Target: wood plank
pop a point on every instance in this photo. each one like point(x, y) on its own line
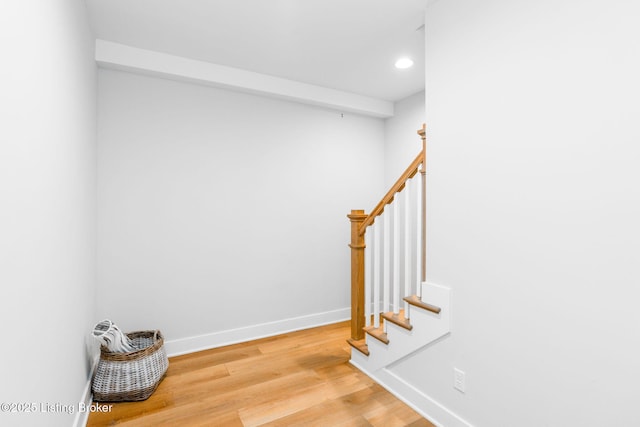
point(416, 301)
point(398, 319)
point(275, 410)
point(360, 345)
point(184, 363)
point(346, 410)
point(395, 414)
point(377, 333)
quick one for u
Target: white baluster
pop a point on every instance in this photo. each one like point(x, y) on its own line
point(376, 272)
point(418, 234)
point(387, 261)
point(396, 255)
point(367, 276)
point(407, 244)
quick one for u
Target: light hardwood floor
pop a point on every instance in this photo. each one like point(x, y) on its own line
point(297, 379)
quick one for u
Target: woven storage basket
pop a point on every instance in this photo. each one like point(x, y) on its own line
point(131, 376)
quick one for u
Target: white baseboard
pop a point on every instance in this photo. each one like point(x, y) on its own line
point(86, 399)
point(423, 404)
point(253, 332)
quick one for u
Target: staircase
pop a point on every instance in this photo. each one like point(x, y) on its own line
point(394, 311)
point(399, 337)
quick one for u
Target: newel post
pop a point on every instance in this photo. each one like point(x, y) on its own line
point(357, 246)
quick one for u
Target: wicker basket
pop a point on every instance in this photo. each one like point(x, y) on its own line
point(131, 376)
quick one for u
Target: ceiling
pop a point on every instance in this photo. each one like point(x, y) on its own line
point(348, 45)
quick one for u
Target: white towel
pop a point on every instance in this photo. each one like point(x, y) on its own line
point(112, 337)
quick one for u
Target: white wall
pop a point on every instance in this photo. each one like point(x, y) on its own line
point(533, 110)
point(47, 206)
point(220, 210)
point(401, 140)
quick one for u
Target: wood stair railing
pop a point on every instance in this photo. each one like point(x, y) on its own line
point(360, 222)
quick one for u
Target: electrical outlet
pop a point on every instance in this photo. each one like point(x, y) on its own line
point(459, 382)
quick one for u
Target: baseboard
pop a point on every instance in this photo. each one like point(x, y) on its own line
point(423, 404)
point(253, 332)
point(85, 401)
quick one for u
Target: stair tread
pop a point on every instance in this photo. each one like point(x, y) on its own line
point(377, 333)
point(417, 302)
point(360, 345)
point(398, 319)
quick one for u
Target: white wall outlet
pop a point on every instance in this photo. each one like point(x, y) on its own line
point(459, 381)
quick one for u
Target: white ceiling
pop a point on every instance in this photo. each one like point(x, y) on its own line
point(349, 45)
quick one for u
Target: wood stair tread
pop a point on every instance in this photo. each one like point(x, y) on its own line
point(417, 302)
point(398, 319)
point(377, 333)
point(360, 345)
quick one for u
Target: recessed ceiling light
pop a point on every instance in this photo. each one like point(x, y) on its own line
point(404, 63)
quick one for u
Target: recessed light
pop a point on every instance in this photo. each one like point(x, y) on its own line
point(404, 63)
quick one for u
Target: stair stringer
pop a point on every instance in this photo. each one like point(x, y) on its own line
point(427, 328)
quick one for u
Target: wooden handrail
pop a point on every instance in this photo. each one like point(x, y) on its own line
point(396, 187)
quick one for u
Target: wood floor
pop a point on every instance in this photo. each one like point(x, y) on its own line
point(297, 379)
